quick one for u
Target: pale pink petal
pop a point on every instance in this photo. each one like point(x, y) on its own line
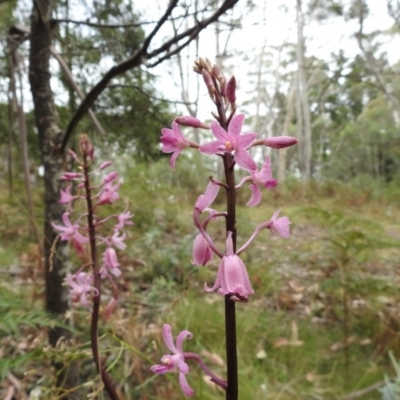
point(186, 389)
point(206, 199)
point(168, 140)
point(173, 158)
point(210, 148)
point(167, 335)
point(246, 140)
point(265, 172)
point(182, 366)
point(270, 184)
point(236, 277)
point(111, 176)
point(65, 196)
point(281, 226)
point(255, 196)
point(161, 369)
point(217, 282)
point(202, 253)
point(236, 124)
point(181, 337)
point(220, 134)
point(244, 160)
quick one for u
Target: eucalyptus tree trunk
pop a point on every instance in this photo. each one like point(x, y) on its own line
point(302, 103)
point(282, 153)
point(47, 124)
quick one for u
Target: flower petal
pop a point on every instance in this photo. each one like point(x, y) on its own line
point(186, 389)
point(202, 253)
point(236, 277)
point(246, 140)
point(181, 337)
point(183, 367)
point(161, 368)
point(220, 134)
point(255, 196)
point(206, 199)
point(235, 126)
point(244, 160)
point(210, 148)
point(167, 335)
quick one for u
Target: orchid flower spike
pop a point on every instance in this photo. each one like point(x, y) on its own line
point(176, 361)
point(232, 141)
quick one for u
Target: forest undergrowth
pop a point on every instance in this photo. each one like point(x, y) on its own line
point(323, 324)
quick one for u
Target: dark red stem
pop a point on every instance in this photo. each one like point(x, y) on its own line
point(232, 390)
point(105, 377)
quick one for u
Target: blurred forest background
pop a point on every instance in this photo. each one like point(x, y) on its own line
point(325, 320)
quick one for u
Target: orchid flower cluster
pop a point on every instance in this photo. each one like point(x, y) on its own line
point(232, 279)
point(85, 283)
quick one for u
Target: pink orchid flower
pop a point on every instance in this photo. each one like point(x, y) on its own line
point(65, 196)
point(71, 232)
point(174, 142)
point(232, 277)
point(109, 193)
point(202, 254)
point(80, 286)
point(176, 361)
point(232, 141)
point(110, 263)
point(280, 225)
point(123, 219)
point(117, 240)
point(261, 178)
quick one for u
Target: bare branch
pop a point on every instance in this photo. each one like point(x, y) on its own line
point(99, 25)
point(115, 26)
point(160, 23)
point(142, 56)
point(76, 88)
point(150, 96)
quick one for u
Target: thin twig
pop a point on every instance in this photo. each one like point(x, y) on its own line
point(141, 57)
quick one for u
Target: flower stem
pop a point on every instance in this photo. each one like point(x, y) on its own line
point(214, 378)
point(230, 311)
point(232, 390)
point(105, 377)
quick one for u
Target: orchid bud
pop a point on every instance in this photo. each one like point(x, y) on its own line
point(209, 83)
point(187, 120)
point(72, 154)
point(105, 164)
point(230, 90)
point(280, 142)
point(70, 176)
point(202, 253)
point(110, 177)
point(216, 73)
